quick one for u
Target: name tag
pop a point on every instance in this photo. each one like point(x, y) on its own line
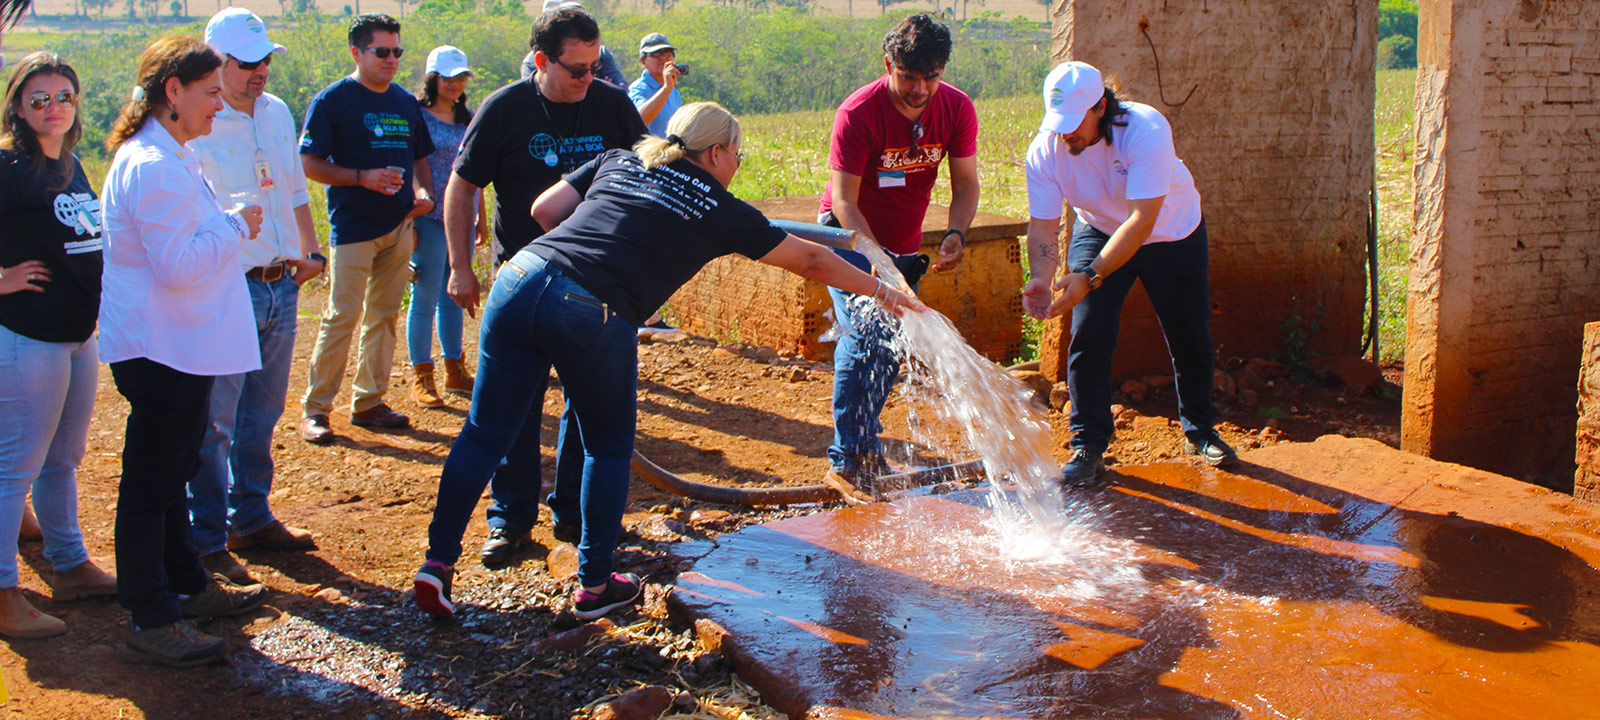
point(891, 178)
point(264, 176)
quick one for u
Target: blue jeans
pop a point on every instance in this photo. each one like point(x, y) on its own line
point(229, 493)
point(46, 403)
point(536, 318)
point(1175, 276)
point(864, 370)
point(430, 261)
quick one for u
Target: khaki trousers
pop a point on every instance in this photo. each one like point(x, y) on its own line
point(369, 281)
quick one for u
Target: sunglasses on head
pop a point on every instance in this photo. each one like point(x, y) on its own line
point(40, 99)
point(264, 61)
point(383, 53)
point(580, 71)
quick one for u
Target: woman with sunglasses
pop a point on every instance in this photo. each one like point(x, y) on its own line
point(443, 97)
point(633, 227)
point(175, 314)
point(49, 299)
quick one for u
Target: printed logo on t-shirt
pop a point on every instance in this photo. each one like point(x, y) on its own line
point(388, 130)
point(81, 212)
point(903, 159)
point(569, 153)
point(678, 192)
point(1118, 168)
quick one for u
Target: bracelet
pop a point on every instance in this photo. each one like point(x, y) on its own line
point(878, 292)
point(959, 234)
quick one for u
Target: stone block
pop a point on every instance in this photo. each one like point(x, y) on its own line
point(1586, 482)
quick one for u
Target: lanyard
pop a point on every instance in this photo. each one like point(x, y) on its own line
point(578, 123)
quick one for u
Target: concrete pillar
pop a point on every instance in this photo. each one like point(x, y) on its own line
point(1506, 257)
point(1271, 107)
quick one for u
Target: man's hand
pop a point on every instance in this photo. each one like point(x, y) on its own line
point(670, 74)
point(951, 252)
point(1036, 297)
point(380, 180)
point(420, 206)
point(1076, 287)
point(463, 288)
point(305, 269)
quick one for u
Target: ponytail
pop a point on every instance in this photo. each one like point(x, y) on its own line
point(692, 130)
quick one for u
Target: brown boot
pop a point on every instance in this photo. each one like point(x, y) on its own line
point(30, 531)
point(84, 581)
point(20, 619)
point(422, 389)
point(456, 379)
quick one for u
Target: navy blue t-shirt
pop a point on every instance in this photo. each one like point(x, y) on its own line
point(354, 127)
point(641, 234)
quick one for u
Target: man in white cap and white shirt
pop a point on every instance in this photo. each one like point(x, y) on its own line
point(609, 70)
point(1138, 218)
point(252, 155)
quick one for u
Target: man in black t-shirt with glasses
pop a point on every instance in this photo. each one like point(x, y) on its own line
point(524, 138)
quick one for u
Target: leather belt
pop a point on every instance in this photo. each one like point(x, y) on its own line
point(268, 273)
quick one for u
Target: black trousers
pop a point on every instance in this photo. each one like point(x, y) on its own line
point(156, 556)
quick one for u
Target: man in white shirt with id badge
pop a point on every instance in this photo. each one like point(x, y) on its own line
point(252, 156)
point(1137, 218)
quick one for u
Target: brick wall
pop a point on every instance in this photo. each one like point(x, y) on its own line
point(1506, 260)
point(1278, 135)
point(1586, 482)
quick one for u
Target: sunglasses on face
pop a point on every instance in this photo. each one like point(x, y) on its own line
point(39, 99)
point(580, 72)
point(383, 53)
point(268, 61)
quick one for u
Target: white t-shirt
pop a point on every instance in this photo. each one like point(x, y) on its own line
point(1098, 183)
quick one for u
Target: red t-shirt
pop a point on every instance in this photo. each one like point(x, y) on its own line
point(873, 140)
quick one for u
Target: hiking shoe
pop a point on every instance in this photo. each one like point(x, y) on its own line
point(223, 598)
point(1083, 469)
point(274, 536)
point(225, 564)
point(315, 429)
point(1210, 447)
point(656, 328)
point(566, 533)
point(174, 645)
point(86, 580)
point(504, 544)
point(432, 585)
point(622, 590)
point(380, 416)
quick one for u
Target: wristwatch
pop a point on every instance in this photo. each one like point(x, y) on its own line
point(957, 233)
point(1093, 278)
point(319, 257)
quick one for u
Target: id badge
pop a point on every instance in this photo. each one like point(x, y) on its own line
point(264, 176)
point(891, 178)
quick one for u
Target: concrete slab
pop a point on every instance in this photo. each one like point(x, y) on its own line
point(1335, 579)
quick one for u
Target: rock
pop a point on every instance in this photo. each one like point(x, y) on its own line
point(765, 354)
point(1249, 398)
point(1267, 369)
point(329, 595)
point(660, 529)
point(713, 518)
point(641, 704)
point(1060, 397)
point(1133, 388)
point(1358, 374)
point(1157, 382)
point(685, 700)
point(726, 351)
point(798, 375)
point(1035, 381)
point(574, 638)
point(562, 562)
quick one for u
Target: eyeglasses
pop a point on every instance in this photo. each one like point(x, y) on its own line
point(579, 73)
point(39, 99)
point(268, 61)
point(383, 53)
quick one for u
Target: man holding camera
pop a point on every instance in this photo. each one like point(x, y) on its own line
point(655, 93)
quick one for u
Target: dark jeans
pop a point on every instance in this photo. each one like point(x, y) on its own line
point(1175, 277)
point(536, 318)
point(156, 558)
point(864, 370)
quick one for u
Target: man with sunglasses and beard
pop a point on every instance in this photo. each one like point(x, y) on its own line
point(252, 151)
point(889, 137)
point(524, 138)
point(365, 139)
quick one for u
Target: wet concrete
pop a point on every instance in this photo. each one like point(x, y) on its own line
point(1335, 579)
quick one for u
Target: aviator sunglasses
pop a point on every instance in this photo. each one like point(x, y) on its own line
point(39, 99)
point(383, 53)
point(580, 72)
point(268, 61)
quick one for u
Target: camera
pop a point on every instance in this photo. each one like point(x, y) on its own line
point(683, 68)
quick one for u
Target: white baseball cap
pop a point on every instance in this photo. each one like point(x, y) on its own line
point(240, 33)
point(1070, 91)
point(448, 61)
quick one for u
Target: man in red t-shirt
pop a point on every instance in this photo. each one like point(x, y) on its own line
point(889, 137)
